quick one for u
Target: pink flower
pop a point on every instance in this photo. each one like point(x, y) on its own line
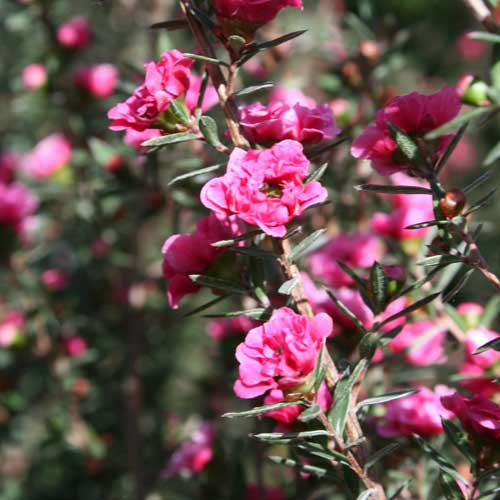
point(210, 99)
point(288, 415)
point(415, 114)
point(11, 325)
point(75, 33)
point(194, 455)
point(17, 203)
point(463, 158)
point(49, 155)
point(252, 11)
point(8, 164)
point(281, 120)
point(75, 346)
point(479, 416)
point(408, 209)
point(280, 354)
point(55, 280)
point(34, 76)
point(185, 254)
point(481, 367)
point(219, 329)
point(421, 342)
point(165, 81)
point(419, 413)
point(357, 250)
point(291, 96)
point(264, 188)
point(469, 48)
point(98, 80)
point(135, 139)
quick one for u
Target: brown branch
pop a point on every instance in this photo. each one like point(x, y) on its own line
point(479, 262)
point(483, 15)
point(218, 79)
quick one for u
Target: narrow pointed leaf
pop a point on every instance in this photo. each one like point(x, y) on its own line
point(307, 244)
point(378, 287)
point(346, 311)
point(478, 182)
point(384, 398)
point(258, 313)
point(310, 414)
point(290, 436)
point(380, 454)
point(492, 344)
point(172, 25)
point(493, 155)
point(205, 306)
point(210, 131)
point(287, 287)
point(450, 488)
point(449, 151)
point(167, 140)
point(195, 173)
point(253, 89)
point(260, 410)
point(314, 471)
point(458, 437)
point(388, 189)
point(451, 126)
point(243, 237)
point(205, 59)
point(483, 36)
point(406, 145)
point(317, 174)
point(491, 311)
point(218, 284)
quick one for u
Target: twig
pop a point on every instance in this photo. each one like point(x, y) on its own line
point(483, 15)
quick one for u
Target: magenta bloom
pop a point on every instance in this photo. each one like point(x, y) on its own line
point(421, 343)
point(55, 280)
point(194, 455)
point(264, 188)
point(252, 11)
point(479, 416)
point(75, 33)
point(419, 413)
point(469, 48)
point(75, 346)
point(165, 81)
point(280, 120)
point(288, 415)
point(482, 367)
point(135, 139)
point(17, 203)
point(281, 353)
point(185, 254)
point(11, 326)
point(49, 155)
point(357, 250)
point(408, 209)
point(98, 80)
point(415, 114)
point(8, 164)
point(34, 76)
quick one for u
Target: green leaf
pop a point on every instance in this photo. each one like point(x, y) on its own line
point(320, 368)
point(195, 173)
point(492, 344)
point(205, 306)
point(258, 313)
point(243, 237)
point(346, 311)
point(359, 282)
point(493, 155)
point(205, 59)
point(398, 492)
point(317, 174)
point(481, 203)
point(406, 145)
point(429, 223)
point(458, 437)
point(380, 454)
point(451, 126)
point(254, 251)
point(318, 450)
point(218, 284)
point(444, 464)
point(483, 36)
point(310, 414)
point(290, 436)
point(253, 89)
point(172, 25)
point(478, 182)
point(384, 398)
point(260, 410)
point(342, 398)
point(456, 318)
point(457, 286)
point(314, 471)
point(487, 494)
point(388, 189)
point(378, 287)
point(287, 287)
point(414, 307)
point(167, 140)
point(449, 487)
point(437, 260)
point(449, 150)
point(210, 131)
point(490, 311)
point(307, 245)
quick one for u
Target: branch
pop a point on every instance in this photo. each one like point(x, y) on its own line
point(483, 15)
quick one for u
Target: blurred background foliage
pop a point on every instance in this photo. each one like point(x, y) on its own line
point(102, 424)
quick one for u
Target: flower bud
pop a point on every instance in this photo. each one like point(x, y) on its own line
point(452, 203)
point(473, 91)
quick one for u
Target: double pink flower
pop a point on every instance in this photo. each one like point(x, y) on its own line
point(252, 11)
point(264, 188)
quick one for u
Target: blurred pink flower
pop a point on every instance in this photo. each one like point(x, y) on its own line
point(463, 158)
point(75, 33)
point(98, 80)
point(415, 114)
point(135, 139)
point(34, 76)
point(281, 353)
point(421, 343)
point(185, 254)
point(264, 187)
point(11, 326)
point(49, 155)
point(419, 413)
point(356, 250)
point(252, 11)
point(17, 203)
point(9, 162)
point(291, 96)
point(55, 280)
point(221, 328)
point(194, 455)
point(479, 416)
point(210, 99)
point(75, 346)
point(408, 209)
point(468, 48)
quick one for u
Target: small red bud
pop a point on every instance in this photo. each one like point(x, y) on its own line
point(114, 164)
point(452, 203)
